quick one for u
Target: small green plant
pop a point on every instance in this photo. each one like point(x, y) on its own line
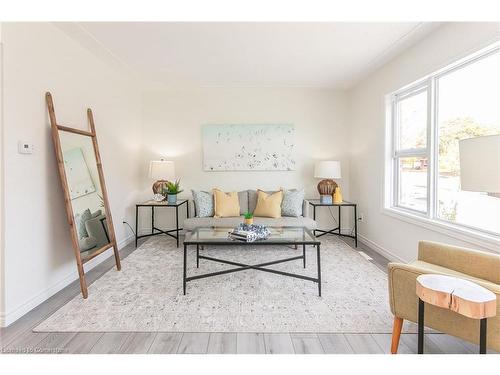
point(248, 215)
point(172, 188)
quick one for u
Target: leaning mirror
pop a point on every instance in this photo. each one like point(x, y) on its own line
point(84, 190)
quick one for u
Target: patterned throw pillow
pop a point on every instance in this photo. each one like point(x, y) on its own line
point(204, 203)
point(292, 202)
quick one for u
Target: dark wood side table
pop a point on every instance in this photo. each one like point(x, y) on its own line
point(154, 230)
point(336, 231)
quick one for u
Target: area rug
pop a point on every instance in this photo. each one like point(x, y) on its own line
point(147, 294)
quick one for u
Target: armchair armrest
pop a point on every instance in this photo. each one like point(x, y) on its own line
point(471, 262)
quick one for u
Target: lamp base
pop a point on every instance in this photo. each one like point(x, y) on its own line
point(325, 199)
point(159, 185)
point(326, 187)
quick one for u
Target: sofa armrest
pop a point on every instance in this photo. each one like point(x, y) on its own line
point(97, 229)
point(305, 208)
point(192, 208)
point(471, 262)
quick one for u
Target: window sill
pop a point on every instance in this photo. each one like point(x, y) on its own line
point(487, 241)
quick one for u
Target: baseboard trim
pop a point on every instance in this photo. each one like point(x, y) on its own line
point(379, 249)
point(10, 317)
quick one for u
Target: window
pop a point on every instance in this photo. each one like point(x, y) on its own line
point(427, 121)
point(410, 151)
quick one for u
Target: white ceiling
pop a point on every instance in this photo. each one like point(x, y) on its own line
point(332, 55)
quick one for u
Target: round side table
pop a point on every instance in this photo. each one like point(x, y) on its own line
point(462, 296)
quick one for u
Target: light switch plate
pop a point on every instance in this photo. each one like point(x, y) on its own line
point(25, 147)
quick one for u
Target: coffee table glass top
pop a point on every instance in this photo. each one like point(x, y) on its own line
point(278, 235)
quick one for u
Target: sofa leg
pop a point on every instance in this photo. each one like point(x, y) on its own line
point(396, 334)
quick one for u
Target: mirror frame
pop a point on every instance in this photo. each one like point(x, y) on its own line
point(55, 128)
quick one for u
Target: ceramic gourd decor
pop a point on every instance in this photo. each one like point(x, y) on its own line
point(337, 195)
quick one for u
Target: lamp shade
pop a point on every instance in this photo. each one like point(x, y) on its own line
point(327, 169)
point(480, 164)
point(162, 170)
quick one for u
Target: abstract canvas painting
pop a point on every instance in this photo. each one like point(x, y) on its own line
point(248, 147)
point(77, 173)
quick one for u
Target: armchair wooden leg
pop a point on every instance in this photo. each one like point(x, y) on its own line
point(396, 333)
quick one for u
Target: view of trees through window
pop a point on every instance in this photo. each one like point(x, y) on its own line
point(467, 106)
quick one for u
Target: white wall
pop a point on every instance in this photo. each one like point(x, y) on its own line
point(172, 122)
point(2, 236)
point(38, 57)
point(396, 238)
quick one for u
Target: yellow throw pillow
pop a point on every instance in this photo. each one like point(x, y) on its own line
point(226, 204)
point(268, 205)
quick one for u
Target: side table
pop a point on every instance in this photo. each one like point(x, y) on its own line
point(459, 295)
point(154, 230)
point(336, 231)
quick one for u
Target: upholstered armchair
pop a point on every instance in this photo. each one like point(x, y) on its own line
point(479, 267)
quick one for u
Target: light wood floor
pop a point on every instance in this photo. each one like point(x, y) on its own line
point(19, 337)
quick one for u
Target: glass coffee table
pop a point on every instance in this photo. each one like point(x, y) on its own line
point(218, 236)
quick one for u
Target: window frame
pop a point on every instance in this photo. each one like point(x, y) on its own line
point(391, 206)
point(397, 152)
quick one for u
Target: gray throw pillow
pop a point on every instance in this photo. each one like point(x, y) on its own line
point(204, 203)
point(292, 202)
point(81, 219)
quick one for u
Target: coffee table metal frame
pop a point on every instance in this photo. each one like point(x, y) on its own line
point(259, 266)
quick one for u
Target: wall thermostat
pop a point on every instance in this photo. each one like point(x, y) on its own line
point(25, 147)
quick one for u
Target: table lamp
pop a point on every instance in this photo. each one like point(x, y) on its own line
point(480, 164)
point(327, 170)
point(162, 171)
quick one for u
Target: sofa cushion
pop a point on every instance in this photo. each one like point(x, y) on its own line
point(268, 205)
point(203, 203)
point(97, 229)
point(286, 222)
point(252, 199)
point(243, 200)
point(231, 222)
point(226, 204)
point(426, 267)
point(80, 223)
point(87, 244)
point(292, 202)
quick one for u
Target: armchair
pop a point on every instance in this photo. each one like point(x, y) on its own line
point(480, 267)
